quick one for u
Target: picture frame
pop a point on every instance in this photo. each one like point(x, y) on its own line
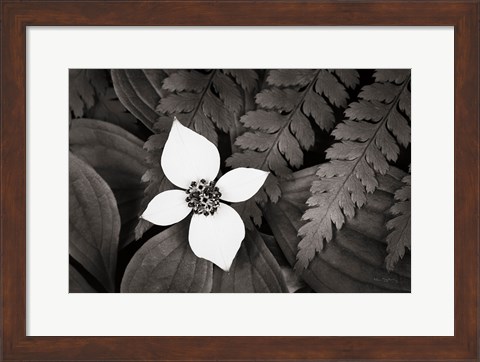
point(17, 16)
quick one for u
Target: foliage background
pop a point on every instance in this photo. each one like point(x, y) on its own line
point(333, 217)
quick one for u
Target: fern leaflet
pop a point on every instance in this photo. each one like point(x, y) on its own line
point(246, 78)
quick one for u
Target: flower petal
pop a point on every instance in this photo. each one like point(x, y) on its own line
point(241, 183)
point(188, 157)
point(217, 237)
point(167, 208)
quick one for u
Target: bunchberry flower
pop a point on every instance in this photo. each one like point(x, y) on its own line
point(192, 163)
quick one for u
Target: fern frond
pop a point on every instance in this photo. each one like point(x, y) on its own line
point(399, 237)
point(202, 100)
point(367, 140)
point(279, 132)
point(84, 86)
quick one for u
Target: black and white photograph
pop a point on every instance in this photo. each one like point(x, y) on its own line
point(239, 180)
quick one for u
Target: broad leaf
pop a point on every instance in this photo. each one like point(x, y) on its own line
point(254, 270)
point(293, 281)
point(166, 264)
point(119, 159)
point(77, 283)
point(354, 261)
point(108, 108)
point(140, 92)
point(94, 223)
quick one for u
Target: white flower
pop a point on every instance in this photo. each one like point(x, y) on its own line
point(192, 162)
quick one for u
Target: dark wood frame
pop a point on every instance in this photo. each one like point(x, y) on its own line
point(17, 15)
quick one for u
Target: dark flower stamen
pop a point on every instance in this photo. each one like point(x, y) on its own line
point(203, 197)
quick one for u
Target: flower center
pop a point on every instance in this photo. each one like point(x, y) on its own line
point(203, 197)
